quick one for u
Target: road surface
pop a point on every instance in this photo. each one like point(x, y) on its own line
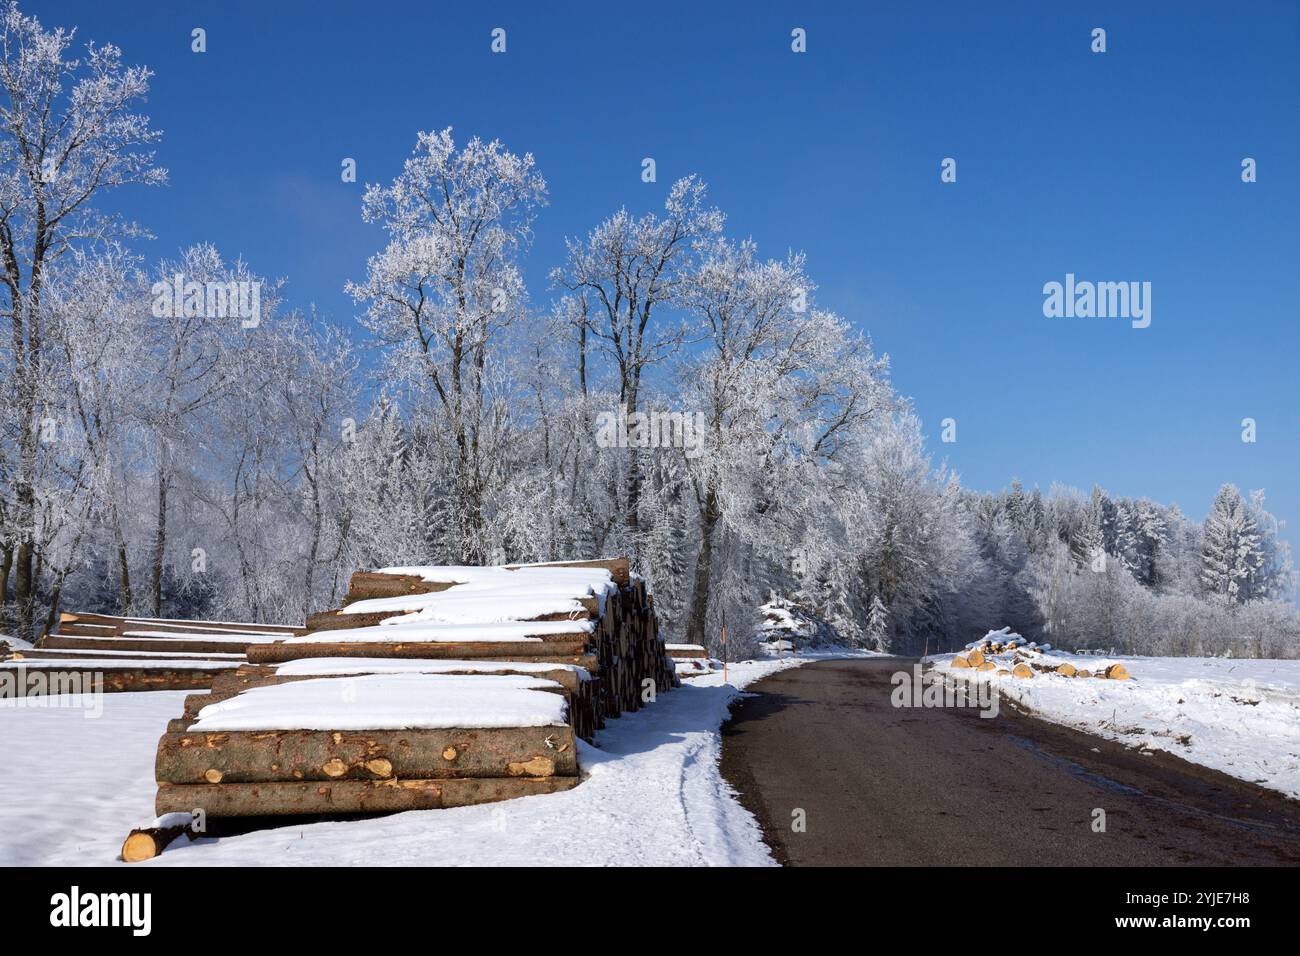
point(885, 786)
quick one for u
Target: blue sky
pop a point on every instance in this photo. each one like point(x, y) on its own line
point(1116, 166)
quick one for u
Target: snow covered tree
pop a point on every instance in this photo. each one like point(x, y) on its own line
point(1232, 555)
point(877, 626)
point(68, 135)
point(627, 274)
point(441, 294)
point(779, 387)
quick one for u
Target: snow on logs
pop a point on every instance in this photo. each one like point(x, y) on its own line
point(1008, 653)
point(430, 687)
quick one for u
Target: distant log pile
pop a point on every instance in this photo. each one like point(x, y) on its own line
point(692, 660)
point(100, 652)
point(430, 687)
point(1009, 655)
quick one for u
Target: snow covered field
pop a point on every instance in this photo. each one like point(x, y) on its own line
point(74, 787)
point(1235, 715)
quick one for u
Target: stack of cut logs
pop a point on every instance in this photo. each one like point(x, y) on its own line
point(453, 635)
point(140, 654)
point(1017, 658)
point(691, 660)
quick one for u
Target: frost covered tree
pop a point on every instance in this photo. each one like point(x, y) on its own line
point(68, 135)
point(783, 390)
point(441, 294)
point(198, 351)
point(1232, 554)
point(877, 626)
point(629, 275)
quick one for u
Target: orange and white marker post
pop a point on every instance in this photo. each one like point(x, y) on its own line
point(724, 648)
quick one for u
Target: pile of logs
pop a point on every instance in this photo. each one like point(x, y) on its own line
point(611, 660)
point(1012, 656)
point(692, 660)
point(111, 653)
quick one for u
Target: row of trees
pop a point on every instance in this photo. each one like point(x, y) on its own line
point(173, 445)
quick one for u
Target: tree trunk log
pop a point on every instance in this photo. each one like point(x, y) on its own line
point(348, 796)
point(197, 757)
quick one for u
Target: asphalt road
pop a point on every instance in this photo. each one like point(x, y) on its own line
point(885, 786)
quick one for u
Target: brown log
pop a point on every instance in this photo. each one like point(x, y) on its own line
point(119, 680)
point(1066, 670)
point(618, 568)
point(147, 842)
point(196, 646)
point(975, 658)
point(348, 796)
point(85, 630)
point(288, 755)
point(1117, 672)
point(68, 654)
point(156, 623)
point(365, 585)
point(1022, 670)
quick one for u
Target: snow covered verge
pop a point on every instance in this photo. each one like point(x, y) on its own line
point(653, 796)
point(1239, 716)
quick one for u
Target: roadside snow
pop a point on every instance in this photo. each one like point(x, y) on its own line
point(1238, 716)
point(653, 796)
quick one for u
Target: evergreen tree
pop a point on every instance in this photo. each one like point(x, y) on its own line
point(1231, 550)
point(878, 624)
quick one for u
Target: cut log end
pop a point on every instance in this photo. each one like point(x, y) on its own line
point(147, 842)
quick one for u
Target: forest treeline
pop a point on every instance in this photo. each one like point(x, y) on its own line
point(179, 441)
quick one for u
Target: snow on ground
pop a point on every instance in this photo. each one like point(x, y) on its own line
point(1235, 715)
point(653, 796)
point(73, 786)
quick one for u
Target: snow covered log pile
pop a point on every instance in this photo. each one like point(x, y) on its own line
point(430, 687)
point(90, 651)
point(692, 660)
point(1007, 654)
